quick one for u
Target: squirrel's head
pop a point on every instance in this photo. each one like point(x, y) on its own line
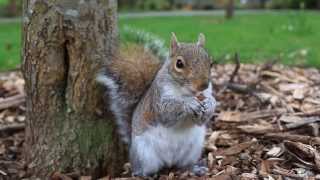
point(190, 64)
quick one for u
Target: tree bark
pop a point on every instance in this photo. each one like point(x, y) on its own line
point(66, 42)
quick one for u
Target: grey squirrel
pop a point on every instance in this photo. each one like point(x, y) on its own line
point(162, 108)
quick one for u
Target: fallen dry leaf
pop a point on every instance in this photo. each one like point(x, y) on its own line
point(273, 104)
point(228, 116)
point(236, 149)
point(257, 128)
point(275, 152)
point(211, 142)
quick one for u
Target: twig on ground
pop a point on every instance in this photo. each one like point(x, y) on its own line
point(285, 172)
point(304, 153)
point(315, 129)
point(12, 101)
point(240, 88)
point(58, 175)
point(293, 137)
point(236, 69)
point(12, 128)
point(304, 121)
point(234, 86)
point(314, 112)
point(74, 175)
point(3, 173)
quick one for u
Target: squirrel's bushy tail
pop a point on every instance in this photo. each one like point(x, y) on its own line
point(128, 76)
point(119, 105)
point(148, 40)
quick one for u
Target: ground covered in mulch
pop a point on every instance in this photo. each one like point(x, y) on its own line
point(266, 125)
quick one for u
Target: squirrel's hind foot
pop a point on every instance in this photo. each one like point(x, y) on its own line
point(198, 169)
point(144, 177)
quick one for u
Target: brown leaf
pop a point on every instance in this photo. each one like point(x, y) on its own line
point(291, 86)
point(59, 176)
point(257, 128)
point(317, 159)
point(85, 178)
point(248, 176)
point(211, 142)
point(230, 170)
point(265, 168)
point(229, 116)
point(236, 149)
point(302, 152)
point(221, 177)
point(275, 152)
point(298, 94)
point(211, 160)
point(171, 176)
point(106, 178)
point(290, 119)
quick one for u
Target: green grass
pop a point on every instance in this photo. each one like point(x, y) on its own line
point(294, 37)
point(3, 2)
point(10, 45)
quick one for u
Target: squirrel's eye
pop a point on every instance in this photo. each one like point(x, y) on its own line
point(179, 64)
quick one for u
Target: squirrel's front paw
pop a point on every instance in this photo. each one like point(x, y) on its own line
point(209, 105)
point(198, 109)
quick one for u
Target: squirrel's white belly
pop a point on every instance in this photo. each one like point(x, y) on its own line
point(166, 147)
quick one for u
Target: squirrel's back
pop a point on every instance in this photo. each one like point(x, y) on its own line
point(127, 77)
point(134, 68)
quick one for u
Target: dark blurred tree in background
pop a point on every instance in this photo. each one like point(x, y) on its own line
point(215, 4)
point(11, 8)
point(293, 4)
point(230, 9)
point(145, 4)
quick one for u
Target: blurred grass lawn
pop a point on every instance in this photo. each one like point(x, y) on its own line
point(294, 37)
point(10, 44)
point(2, 2)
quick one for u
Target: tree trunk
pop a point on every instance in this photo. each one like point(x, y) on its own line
point(66, 43)
point(230, 9)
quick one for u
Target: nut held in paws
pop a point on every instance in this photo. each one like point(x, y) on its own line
point(201, 97)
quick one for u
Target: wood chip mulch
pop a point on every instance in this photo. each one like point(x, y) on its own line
point(12, 123)
point(266, 125)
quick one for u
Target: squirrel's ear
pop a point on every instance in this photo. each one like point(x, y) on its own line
point(174, 44)
point(201, 40)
